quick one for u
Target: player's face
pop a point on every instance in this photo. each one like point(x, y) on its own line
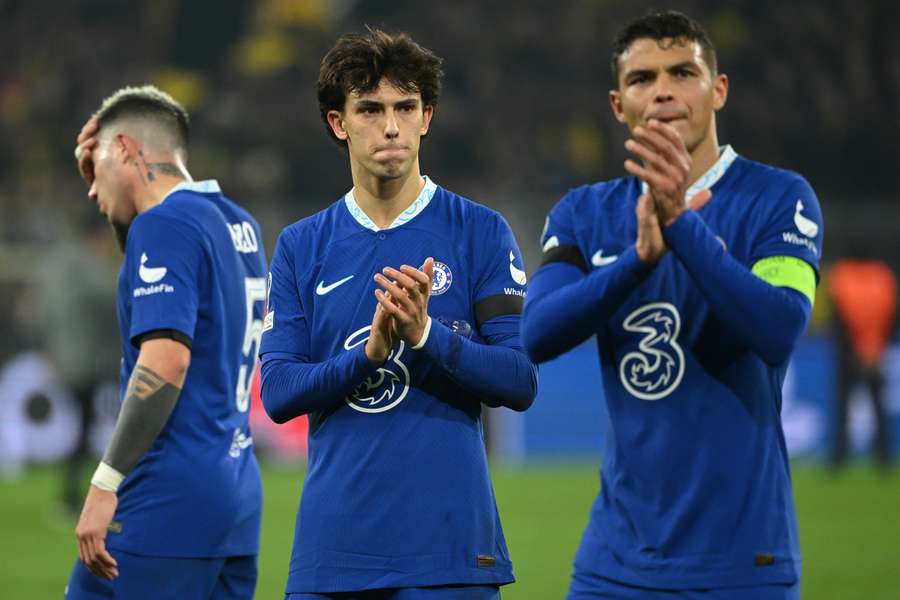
point(383, 129)
point(110, 188)
point(670, 82)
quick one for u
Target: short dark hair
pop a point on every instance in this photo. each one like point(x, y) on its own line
point(658, 26)
point(359, 61)
point(151, 104)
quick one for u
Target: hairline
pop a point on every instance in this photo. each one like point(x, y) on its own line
point(680, 40)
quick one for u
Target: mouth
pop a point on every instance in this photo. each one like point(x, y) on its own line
point(668, 117)
point(390, 150)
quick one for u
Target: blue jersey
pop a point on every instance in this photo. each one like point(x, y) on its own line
point(696, 488)
point(194, 266)
point(397, 492)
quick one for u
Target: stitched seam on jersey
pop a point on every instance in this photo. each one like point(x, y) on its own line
point(418, 205)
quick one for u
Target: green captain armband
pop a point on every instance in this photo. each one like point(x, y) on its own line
point(787, 271)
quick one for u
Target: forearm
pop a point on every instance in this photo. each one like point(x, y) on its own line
point(149, 401)
point(766, 319)
point(502, 375)
point(564, 308)
point(291, 388)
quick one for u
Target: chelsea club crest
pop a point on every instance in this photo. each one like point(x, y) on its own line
point(441, 279)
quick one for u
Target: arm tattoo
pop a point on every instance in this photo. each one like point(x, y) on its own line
point(144, 381)
point(149, 400)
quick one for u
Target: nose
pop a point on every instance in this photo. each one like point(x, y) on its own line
point(391, 129)
point(92, 192)
point(663, 92)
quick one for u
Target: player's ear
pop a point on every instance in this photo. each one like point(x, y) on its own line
point(427, 114)
point(127, 147)
point(720, 91)
point(615, 102)
point(336, 122)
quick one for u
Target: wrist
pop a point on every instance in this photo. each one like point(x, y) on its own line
point(373, 355)
point(676, 214)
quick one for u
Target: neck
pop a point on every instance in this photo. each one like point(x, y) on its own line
point(158, 179)
point(383, 200)
point(704, 155)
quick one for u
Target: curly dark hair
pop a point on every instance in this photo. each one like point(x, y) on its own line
point(358, 62)
point(659, 26)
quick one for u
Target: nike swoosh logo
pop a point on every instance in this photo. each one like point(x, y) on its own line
point(598, 260)
point(323, 289)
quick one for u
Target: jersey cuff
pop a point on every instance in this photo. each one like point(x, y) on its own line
point(424, 339)
point(787, 271)
point(158, 334)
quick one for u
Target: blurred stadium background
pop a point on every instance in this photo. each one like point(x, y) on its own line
point(524, 116)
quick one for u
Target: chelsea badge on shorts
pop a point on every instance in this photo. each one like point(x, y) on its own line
point(441, 279)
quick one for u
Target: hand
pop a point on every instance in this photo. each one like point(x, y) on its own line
point(666, 168)
point(381, 337)
point(84, 149)
point(650, 245)
point(407, 298)
point(96, 516)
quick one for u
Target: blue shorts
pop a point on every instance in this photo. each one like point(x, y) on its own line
point(440, 592)
point(587, 586)
point(155, 578)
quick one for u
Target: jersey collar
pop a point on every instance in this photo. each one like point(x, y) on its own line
point(406, 216)
point(207, 186)
point(727, 155)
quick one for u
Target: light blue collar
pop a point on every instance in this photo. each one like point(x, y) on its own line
point(207, 186)
point(727, 155)
point(406, 216)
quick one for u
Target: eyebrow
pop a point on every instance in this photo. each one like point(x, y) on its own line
point(369, 104)
point(687, 64)
point(365, 104)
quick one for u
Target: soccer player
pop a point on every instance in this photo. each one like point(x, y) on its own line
point(697, 275)
point(393, 315)
point(174, 507)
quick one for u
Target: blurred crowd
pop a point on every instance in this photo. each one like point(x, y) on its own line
point(524, 114)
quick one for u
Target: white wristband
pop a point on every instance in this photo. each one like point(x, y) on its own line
point(424, 335)
point(106, 478)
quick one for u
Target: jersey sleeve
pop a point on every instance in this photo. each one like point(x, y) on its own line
point(501, 280)
point(285, 329)
point(793, 227)
point(167, 263)
point(558, 241)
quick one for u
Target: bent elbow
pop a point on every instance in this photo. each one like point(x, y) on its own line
point(523, 400)
point(535, 347)
point(275, 408)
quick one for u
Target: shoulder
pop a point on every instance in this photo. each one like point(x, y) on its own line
point(598, 196)
point(474, 218)
point(770, 180)
point(234, 211)
point(308, 236)
point(171, 218)
point(314, 225)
